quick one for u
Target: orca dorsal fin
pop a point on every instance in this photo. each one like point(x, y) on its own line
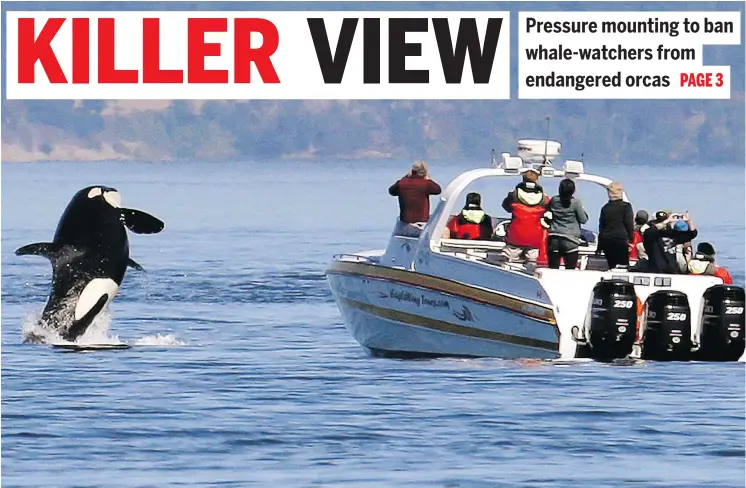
point(133, 264)
point(141, 222)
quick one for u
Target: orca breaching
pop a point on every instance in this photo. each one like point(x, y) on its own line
point(89, 256)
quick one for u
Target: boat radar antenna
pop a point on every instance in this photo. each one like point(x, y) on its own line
point(546, 144)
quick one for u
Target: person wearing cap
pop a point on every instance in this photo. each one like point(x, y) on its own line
point(683, 250)
point(637, 250)
point(413, 191)
point(616, 227)
point(472, 222)
point(662, 239)
point(526, 204)
point(703, 264)
point(661, 215)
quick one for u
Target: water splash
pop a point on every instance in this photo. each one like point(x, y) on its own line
point(34, 331)
point(159, 340)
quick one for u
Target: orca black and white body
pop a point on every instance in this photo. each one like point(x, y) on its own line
point(89, 256)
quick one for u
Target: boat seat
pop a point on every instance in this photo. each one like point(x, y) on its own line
point(597, 263)
point(472, 244)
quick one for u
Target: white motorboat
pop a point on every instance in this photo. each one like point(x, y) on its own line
point(431, 296)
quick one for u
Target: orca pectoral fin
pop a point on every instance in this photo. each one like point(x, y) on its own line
point(51, 250)
point(46, 249)
point(79, 327)
point(141, 222)
point(132, 264)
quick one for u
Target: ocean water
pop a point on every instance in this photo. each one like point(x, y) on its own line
point(242, 373)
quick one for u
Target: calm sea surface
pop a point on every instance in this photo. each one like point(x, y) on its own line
point(242, 373)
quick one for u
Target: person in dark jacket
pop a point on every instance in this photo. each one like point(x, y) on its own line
point(661, 241)
point(564, 215)
point(616, 228)
point(414, 192)
point(472, 222)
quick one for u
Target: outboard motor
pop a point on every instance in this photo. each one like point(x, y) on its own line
point(668, 327)
point(722, 333)
point(613, 320)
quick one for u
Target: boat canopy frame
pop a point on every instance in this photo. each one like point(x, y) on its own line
point(449, 199)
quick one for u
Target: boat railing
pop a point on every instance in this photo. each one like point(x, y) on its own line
point(356, 257)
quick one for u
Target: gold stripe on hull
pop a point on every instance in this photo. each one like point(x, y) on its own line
point(442, 326)
point(539, 312)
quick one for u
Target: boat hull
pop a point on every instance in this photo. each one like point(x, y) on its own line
point(395, 319)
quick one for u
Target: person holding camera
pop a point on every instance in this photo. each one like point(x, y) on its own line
point(413, 192)
point(663, 242)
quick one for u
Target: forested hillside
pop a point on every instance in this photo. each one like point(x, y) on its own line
point(653, 131)
point(618, 131)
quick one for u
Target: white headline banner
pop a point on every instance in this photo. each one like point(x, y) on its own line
point(623, 55)
point(258, 55)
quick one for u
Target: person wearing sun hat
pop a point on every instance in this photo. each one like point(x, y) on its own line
point(703, 263)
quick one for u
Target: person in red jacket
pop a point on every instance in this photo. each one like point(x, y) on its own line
point(472, 222)
point(526, 204)
point(636, 250)
point(703, 263)
point(414, 192)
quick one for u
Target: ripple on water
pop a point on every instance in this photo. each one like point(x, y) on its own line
point(242, 374)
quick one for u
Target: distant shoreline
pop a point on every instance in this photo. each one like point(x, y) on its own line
point(681, 132)
point(402, 161)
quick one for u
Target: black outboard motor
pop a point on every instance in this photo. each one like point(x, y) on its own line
point(613, 320)
point(722, 333)
point(668, 327)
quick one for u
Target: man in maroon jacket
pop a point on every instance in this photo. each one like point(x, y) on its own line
point(414, 192)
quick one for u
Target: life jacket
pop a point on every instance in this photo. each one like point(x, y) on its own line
point(640, 312)
point(723, 274)
point(636, 239)
point(700, 265)
point(543, 259)
point(529, 205)
point(467, 224)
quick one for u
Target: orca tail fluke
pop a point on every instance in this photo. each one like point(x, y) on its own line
point(141, 222)
point(79, 327)
point(134, 265)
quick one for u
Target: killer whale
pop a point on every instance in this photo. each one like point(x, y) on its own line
point(89, 255)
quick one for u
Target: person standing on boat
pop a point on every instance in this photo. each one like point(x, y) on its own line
point(472, 222)
point(565, 216)
point(526, 204)
point(414, 191)
point(703, 264)
point(616, 228)
point(661, 241)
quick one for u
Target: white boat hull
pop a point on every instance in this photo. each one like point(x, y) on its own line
point(391, 318)
point(431, 295)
